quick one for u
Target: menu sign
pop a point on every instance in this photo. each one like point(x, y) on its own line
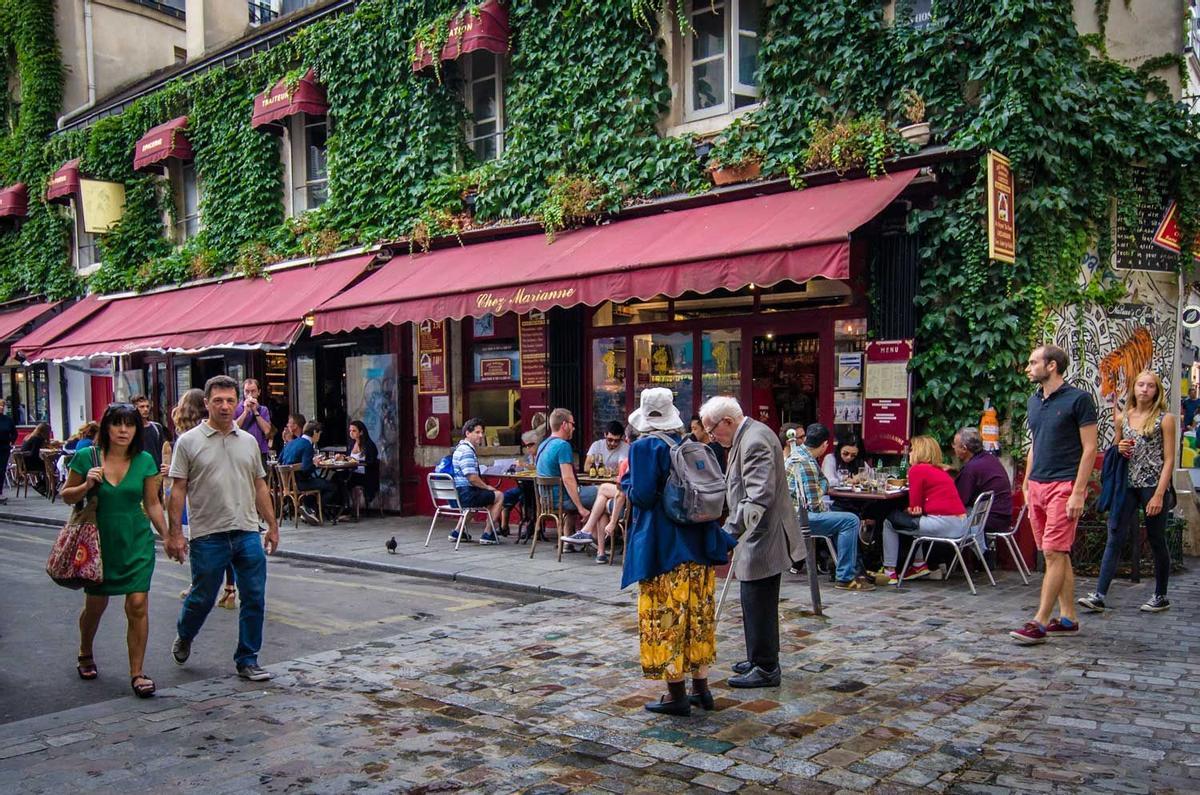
point(1002, 209)
point(535, 372)
point(431, 357)
point(886, 397)
point(1144, 246)
point(495, 369)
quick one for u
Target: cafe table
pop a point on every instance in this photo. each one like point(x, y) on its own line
point(339, 473)
point(872, 506)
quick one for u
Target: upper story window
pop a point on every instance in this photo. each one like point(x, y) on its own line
point(263, 11)
point(186, 186)
point(85, 242)
point(307, 166)
point(483, 90)
point(722, 56)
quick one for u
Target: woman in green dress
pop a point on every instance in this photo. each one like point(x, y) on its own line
point(126, 481)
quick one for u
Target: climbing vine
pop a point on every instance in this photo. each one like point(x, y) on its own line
point(587, 89)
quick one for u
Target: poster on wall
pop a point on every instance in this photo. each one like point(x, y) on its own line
point(886, 397)
point(1167, 237)
point(306, 385)
point(847, 407)
point(1002, 209)
point(128, 384)
point(431, 357)
point(371, 397)
point(535, 372)
point(850, 371)
point(1141, 230)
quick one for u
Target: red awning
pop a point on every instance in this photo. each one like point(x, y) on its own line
point(237, 313)
point(31, 344)
point(64, 183)
point(468, 32)
point(14, 320)
point(279, 103)
point(162, 142)
point(14, 201)
point(798, 235)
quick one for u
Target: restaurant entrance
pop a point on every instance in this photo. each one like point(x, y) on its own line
point(786, 379)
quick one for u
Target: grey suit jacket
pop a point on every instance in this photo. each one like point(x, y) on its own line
point(761, 514)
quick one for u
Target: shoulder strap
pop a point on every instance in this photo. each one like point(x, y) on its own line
point(666, 438)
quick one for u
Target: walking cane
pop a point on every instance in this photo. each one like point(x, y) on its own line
point(725, 588)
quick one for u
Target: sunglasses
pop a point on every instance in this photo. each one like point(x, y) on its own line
point(129, 406)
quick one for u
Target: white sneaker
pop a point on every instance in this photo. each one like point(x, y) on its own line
point(580, 538)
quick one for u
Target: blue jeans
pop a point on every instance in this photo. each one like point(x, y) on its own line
point(842, 527)
point(210, 555)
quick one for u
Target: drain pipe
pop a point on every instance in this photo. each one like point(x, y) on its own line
point(90, 51)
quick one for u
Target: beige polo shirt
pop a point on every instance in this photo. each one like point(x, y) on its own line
point(220, 470)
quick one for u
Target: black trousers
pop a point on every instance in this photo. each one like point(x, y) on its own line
point(5, 452)
point(760, 621)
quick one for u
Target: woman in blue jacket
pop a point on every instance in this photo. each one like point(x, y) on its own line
point(674, 566)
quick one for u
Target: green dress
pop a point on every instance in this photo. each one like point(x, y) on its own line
point(126, 540)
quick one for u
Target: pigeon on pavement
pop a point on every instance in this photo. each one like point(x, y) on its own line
point(391, 545)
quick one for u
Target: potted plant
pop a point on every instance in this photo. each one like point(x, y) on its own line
point(917, 131)
point(736, 157)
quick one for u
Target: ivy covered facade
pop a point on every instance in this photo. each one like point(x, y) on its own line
point(587, 89)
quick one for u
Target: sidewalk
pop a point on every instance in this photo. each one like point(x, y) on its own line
point(361, 545)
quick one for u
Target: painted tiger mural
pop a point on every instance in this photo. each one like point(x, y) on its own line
point(1125, 362)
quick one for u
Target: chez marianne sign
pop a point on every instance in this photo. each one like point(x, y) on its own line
point(520, 299)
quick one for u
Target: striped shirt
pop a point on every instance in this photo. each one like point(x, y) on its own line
point(465, 463)
point(805, 479)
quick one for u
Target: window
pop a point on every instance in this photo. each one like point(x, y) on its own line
point(32, 404)
point(307, 137)
point(483, 90)
point(85, 242)
point(722, 57)
point(187, 203)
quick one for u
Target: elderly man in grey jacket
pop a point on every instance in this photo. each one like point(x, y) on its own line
point(766, 524)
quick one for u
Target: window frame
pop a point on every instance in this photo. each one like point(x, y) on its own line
point(178, 179)
point(730, 12)
point(299, 188)
point(468, 83)
point(78, 236)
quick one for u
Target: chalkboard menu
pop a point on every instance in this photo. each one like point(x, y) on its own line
point(1135, 248)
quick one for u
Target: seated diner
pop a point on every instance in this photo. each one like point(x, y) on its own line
point(934, 508)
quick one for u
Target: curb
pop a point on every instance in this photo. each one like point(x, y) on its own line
point(410, 571)
point(44, 521)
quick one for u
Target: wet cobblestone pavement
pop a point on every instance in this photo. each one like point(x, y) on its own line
point(918, 691)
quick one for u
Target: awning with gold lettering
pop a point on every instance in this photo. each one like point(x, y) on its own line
point(282, 101)
point(14, 201)
point(487, 30)
point(797, 236)
point(162, 143)
point(64, 183)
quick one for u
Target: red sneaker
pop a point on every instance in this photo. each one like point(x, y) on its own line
point(916, 570)
point(1056, 628)
point(1029, 635)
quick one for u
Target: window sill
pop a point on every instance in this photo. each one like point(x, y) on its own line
point(88, 270)
point(713, 124)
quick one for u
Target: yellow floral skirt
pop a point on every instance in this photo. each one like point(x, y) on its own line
point(675, 621)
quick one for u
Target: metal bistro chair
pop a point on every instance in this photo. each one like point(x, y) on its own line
point(290, 494)
point(976, 519)
point(549, 493)
point(445, 503)
point(833, 557)
point(1009, 538)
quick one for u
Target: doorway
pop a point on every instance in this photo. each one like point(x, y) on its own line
point(786, 379)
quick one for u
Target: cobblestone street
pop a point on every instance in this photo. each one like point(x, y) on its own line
point(912, 691)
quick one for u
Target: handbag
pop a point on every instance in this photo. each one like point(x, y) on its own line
point(75, 560)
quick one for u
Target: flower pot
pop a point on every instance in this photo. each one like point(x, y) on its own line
point(917, 133)
point(743, 172)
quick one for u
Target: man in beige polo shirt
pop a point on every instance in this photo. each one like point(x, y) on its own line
point(217, 470)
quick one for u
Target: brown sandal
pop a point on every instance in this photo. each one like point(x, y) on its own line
point(87, 667)
point(143, 690)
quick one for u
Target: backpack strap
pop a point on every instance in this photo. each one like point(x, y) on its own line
point(666, 438)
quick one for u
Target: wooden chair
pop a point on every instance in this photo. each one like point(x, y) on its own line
point(22, 474)
point(50, 467)
point(549, 494)
point(622, 530)
point(289, 493)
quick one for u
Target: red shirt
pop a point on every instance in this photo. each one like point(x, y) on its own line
point(932, 490)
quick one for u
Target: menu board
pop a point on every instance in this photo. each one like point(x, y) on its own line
point(535, 372)
point(886, 397)
point(495, 370)
point(431, 357)
point(1137, 226)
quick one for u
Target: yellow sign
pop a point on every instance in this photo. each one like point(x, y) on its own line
point(103, 204)
point(1002, 210)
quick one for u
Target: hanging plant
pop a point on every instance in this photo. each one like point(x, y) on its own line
point(865, 143)
point(572, 201)
point(431, 37)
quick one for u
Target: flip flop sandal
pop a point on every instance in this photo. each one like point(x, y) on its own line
point(87, 667)
point(144, 690)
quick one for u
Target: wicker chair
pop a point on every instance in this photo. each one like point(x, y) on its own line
point(290, 494)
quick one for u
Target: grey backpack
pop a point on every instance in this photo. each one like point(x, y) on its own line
point(695, 489)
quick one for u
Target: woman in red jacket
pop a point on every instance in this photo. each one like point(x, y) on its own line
point(934, 508)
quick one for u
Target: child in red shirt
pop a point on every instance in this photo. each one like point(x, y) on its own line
point(934, 508)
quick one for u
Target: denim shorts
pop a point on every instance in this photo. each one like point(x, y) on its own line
point(475, 497)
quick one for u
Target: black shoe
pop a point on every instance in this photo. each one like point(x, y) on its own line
point(703, 700)
point(180, 650)
point(742, 667)
point(757, 677)
point(503, 531)
point(664, 706)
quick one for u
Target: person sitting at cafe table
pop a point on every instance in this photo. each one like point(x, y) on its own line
point(934, 508)
point(522, 494)
point(473, 492)
point(981, 471)
point(609, 451)
point(301, 451)
point(846, 457)
point(807, 486)
point(555, 459)
point(364, 450)
point(31, 449)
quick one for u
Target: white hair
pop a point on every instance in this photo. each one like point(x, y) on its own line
point(721, 407)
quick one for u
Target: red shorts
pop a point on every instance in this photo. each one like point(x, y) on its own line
point(1052, 529)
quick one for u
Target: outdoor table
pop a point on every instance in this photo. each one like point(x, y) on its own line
point(339, 473)
point(873, 505)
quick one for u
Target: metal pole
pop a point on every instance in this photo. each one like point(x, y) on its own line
point(724, 588)
point(814, 584)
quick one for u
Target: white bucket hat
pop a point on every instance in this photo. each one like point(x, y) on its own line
point(657, 412)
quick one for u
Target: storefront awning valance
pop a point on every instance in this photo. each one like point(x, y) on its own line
point(162, 143)
point(14, 320)
point(14, 201)
point(31, 344)
point(237, 313)
point(64, 183)
point(468, 33)
point(795, 236)
point(281, 101)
